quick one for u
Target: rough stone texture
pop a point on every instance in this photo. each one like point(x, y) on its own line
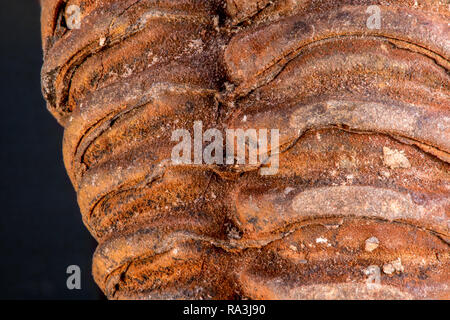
point(364, 119)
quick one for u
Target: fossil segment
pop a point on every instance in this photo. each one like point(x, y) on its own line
point(364, 121)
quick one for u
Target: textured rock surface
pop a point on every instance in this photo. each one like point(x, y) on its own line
point(364, 120)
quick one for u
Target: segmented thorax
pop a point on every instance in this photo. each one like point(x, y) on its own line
point(356, 204)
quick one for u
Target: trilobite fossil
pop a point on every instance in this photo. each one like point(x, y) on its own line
point(358, 206)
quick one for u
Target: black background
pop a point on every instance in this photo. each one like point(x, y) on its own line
point(41, 232)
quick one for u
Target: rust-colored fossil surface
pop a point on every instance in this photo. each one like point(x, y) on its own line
point(357, 205)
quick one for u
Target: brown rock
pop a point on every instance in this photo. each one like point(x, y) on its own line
point(364, 122)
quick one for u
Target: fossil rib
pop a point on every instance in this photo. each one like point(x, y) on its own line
point(364, 121)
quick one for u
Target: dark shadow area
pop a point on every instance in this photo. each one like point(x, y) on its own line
point(41, 232)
